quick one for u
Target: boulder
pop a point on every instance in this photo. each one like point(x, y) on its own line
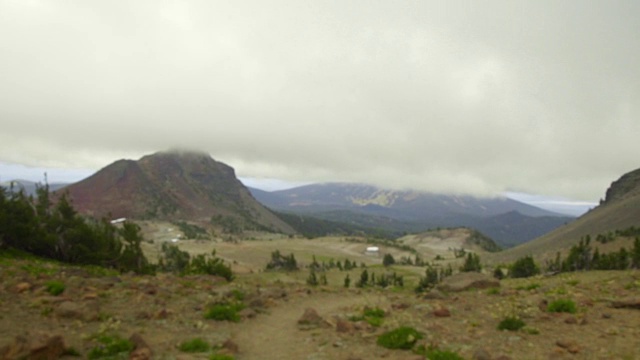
point(632, 303)
point(468, 280)
point(34, 347)
point(70, 310)
point(310, 320)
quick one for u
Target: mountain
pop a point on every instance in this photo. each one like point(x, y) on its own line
point(619, 211)
point(507, 221)
point(173, 185)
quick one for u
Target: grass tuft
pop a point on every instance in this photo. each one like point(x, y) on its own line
point(401, 338)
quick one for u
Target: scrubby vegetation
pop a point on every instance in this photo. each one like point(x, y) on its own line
point(55, 287)
point(433, 276)
point(111, 347)
point(511, 323)
point(180, 262)
point(282, 262)
point(52, 228)
point(401, 338)
point(583, 257)
point(382, 280)
point(524, 267)
point(192, 231)
point(196, 345)
point(562, 305)
point(471, 263)
point(433, 353)
point(224, 311)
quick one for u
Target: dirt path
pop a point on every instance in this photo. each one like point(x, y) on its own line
point(276, 335)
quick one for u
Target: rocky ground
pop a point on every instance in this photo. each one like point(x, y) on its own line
point(289, 320)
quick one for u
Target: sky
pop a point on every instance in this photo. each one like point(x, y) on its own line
point(459, 97)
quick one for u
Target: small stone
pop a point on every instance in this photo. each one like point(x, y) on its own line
point(606, 316)
point(569, 345)
point(481, 354)
point(571, 320)
point(442, 312)
point(247, 313)
point(90, 296)
point(70, 310)
point(434, 294)
point(400, 306)
point(22, 287)
point(230, 346)
point(344, 326)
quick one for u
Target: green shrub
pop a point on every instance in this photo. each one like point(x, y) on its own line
point(401, 338)
point(562, 305)
point(55, 287)
point(221, 357)
point(224, 312)
point(432, 353)
point(194, 346)
point(511, 323)
point(113, 347)
point(524, 267)
point(375, 312)
point(528, 287)
point(493, 291)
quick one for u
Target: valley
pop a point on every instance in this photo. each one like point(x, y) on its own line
point(196, 268)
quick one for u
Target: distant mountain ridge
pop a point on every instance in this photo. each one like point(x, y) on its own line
point(413, 211)
point(618, 211)
point(173, 185)
point(29, 187)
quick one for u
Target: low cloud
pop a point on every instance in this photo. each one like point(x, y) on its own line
point(477, 98)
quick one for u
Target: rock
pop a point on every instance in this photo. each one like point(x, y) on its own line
point(310, 320)
point(70, 310)
point(230, 346)
point(503, 357)
point(606, 316)
point(141, 354)
point(633, 303)
point(247, 313)
point(22, 287)
point(481, 354)
point(48, 347)
point(38, 347)
point(161, 314)
point(468, 280)
point(434, 294)
point(442, 312)
point(345, 326)
point(571, 320)
point(569, 345)
point(543, 305)
point(400, 306)
point(141, 350)
point(90, 296)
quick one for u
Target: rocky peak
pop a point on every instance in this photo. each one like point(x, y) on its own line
point(627, 186)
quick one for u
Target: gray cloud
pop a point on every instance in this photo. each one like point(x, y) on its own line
point(463, 97)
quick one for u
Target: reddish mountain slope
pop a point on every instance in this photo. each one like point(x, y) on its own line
point(172, 186)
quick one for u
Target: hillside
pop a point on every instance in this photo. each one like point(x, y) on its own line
point(443, 242)
point(172, 185)
point(620, 210)
point(507, 221)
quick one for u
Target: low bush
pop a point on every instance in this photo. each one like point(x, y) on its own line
point(511, 323)
point(562, 305)
point(194, 346)
point(224, 312)
point(221, 357)
point(401, 338)
point(55, 287)
point(113, 347)
point(432, 353)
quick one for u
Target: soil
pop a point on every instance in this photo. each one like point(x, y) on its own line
point(166, 310)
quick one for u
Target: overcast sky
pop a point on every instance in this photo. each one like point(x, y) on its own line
point(476, 97)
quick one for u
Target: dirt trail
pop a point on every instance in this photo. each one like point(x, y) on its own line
point(276, 335)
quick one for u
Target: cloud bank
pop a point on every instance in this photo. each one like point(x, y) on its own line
point(458, 97)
